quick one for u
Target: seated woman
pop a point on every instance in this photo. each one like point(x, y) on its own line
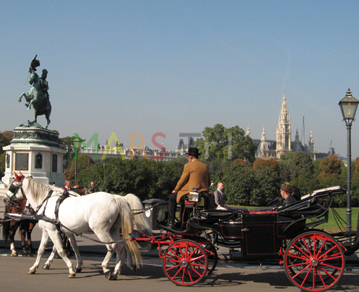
point(286, 191)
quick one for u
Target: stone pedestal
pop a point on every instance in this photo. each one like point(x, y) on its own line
point(35, 152)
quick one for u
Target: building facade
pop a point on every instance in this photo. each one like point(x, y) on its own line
point(283, 142)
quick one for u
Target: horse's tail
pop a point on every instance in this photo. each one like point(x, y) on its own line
point(127, 228)
point(141, 223)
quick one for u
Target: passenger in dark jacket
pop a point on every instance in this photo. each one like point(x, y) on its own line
point(286, 191)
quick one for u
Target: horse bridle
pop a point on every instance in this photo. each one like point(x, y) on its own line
point(14, 189)
point(13, 201)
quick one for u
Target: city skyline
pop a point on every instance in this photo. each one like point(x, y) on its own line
point(174, 67)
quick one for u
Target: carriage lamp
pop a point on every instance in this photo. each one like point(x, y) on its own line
point(348, 106)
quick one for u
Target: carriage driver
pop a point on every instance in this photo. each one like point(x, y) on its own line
point(195, 174)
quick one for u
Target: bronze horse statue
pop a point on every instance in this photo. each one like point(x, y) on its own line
point(38, 96)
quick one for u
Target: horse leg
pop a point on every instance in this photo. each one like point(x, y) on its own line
point(13, 228)
point(48, 120)
point(105, 236)
point(121, 255)
point(22, 95)
point(29, 231)
point(47, 265)
point(56, 239)
point(106, 262)
point(73, 243)
point(35, 116)
point(40, 252)
point(23, 228)
point(35, 99)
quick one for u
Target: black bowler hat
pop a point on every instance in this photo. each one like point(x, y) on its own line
point(193, 151)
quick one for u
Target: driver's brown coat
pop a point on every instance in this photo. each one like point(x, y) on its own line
point(195, 174)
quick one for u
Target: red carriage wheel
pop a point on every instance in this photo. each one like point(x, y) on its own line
point(314, 261)
point(211, 255)
point(185, 262)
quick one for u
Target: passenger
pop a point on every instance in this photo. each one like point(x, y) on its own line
point(67, 186)
point(286, 191)
point(195, 174)
point(92, 189)
point(219, 197)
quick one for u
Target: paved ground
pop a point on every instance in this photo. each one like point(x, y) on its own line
point(229, 274)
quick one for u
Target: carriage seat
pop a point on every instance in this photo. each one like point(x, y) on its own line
point(206, 201)
point(223, 214)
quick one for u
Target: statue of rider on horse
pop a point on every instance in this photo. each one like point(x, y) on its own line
point(38, 96)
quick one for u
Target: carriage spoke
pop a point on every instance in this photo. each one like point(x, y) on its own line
point(314, 261)
point(188, 266)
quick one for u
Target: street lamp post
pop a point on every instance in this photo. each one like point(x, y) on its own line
point(348, 106)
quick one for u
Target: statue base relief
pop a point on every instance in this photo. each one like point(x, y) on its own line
point(35, 152)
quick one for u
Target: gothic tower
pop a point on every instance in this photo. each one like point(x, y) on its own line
point(311, 143)
point(264, 144)
point(284, 132)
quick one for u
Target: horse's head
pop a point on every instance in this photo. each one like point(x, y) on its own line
point(34, 78)
point(15, 191)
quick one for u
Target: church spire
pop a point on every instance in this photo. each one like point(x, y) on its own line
point(284, 132)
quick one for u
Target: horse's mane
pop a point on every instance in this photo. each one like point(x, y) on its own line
point(38, 190)
point(61, 190)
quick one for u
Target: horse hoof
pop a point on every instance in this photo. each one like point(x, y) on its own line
point(71, 275)
point(135, 269)
point(107, 274)
point(14, 254)
point(31, 272)
point(46, 267)
point(112, 277)
point(78, 270)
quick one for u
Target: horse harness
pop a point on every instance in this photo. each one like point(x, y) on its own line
point(55, 221)
point(13, 189)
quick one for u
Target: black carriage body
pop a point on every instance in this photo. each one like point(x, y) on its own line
point(259, 234)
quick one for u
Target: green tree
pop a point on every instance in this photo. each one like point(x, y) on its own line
point(286, 166)
point(332, 172)
point(67, 144)
point(238, 182)
point(266, 185)
point(270, 164)
point(84, 165)
point(225, 144)
point(266, 181)
point(171, 172)
point(5, 138)
point(303, 173)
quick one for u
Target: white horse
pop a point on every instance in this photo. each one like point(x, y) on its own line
point(140, 224)
point(100, 213)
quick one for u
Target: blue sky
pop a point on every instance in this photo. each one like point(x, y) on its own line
point(178, 66)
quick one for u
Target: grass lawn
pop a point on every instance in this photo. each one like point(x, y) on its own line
point(332, 227)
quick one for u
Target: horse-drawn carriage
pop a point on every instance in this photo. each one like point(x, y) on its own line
point(313, 259)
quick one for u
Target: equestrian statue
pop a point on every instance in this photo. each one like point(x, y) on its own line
point(38, 96)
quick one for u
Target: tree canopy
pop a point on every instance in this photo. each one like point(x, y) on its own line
point(220, 143)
